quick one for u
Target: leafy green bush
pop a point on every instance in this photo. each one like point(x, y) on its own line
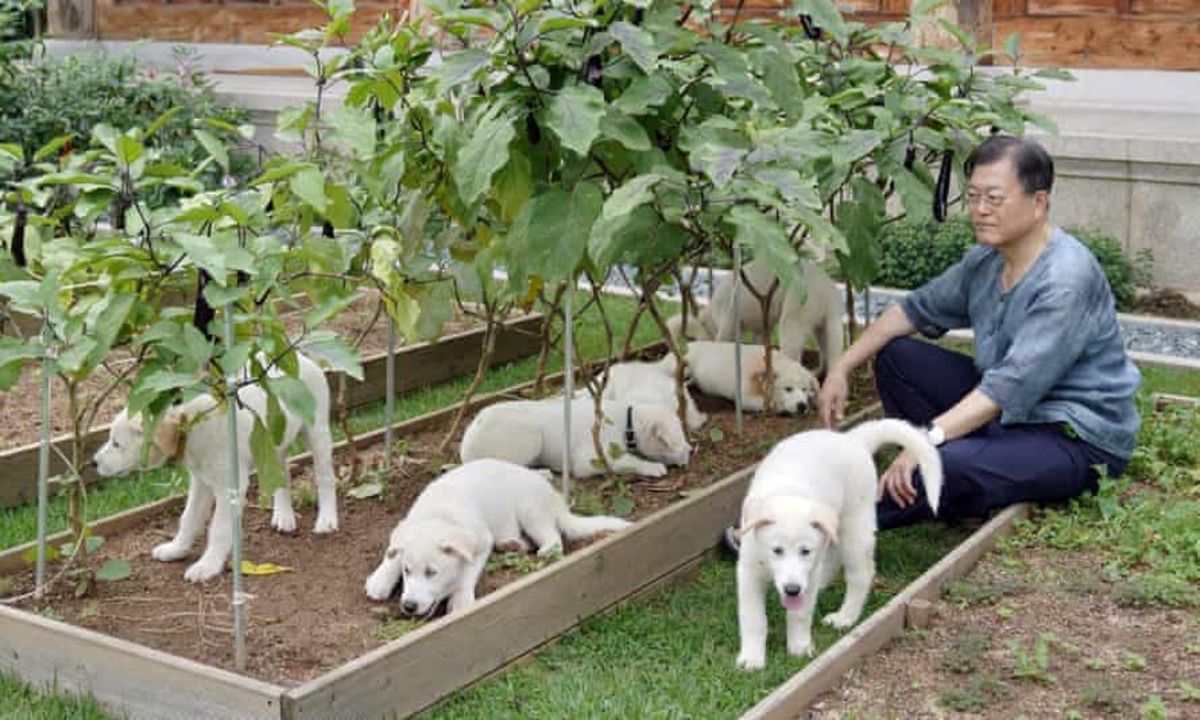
point(40, 101)
point(913, 254)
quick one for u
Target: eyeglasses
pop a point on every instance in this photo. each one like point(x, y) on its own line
point(992, 200)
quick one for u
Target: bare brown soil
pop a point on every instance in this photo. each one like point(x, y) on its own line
point(979, 658)
point(1166, 302)
point(20, 413)
point(306, 621)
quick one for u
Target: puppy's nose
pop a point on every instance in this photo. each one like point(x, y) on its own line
point(409, 607)
point(791, 590)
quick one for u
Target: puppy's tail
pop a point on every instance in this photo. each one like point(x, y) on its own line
point(877, 433)
point(581, 527)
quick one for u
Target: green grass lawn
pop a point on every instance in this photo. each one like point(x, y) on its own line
point(669, 655)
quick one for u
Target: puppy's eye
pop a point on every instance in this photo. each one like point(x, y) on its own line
point(430, 572)
point(778, 551)
point(805, 552)
point(789, 388)
point(407, 570)
point(116, 445)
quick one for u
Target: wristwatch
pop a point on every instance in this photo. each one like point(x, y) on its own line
point(936, 434)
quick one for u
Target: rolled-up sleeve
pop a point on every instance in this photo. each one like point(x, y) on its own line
point(940, 304)
point(1050, 339)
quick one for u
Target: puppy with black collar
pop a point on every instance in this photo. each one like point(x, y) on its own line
point(638, 438)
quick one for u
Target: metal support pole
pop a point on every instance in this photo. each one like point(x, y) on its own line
point(568, 387)
point(737, 336)
point(43, 465)
point(389, 405)
point(235, 505)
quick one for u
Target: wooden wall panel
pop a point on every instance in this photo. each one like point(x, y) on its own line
point(217, 23)
point(1072, 7)
point(1099, 42)
point(1008, 8)
point(1165, 7)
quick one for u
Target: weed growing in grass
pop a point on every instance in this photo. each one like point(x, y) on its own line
point(1104, 698)
point(395, 628)
point(522, 563)
point(965, 653)
point(965, 592)
point(1144, 590)
point(980, 692)
point(1034, 665)
point(1190, 692)
point(1154, 709)
point(1134, 661)
point(1095, 663)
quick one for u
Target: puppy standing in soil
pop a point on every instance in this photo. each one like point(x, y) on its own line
point(195, 433)
point(441, 547)
point(809, 510)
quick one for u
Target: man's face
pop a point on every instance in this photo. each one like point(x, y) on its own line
point(1000, 210)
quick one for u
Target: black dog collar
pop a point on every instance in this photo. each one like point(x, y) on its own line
point(631, 443)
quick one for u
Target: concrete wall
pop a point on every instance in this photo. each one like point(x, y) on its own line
point(1127, 156)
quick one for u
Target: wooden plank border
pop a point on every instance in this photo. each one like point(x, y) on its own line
point(790, 699)
point(129, 679)
point(417, 366)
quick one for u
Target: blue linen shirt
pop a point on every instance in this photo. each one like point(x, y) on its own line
point(1050, 349)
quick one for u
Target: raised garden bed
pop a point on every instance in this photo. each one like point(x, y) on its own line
point(317, 646)
point(418, 365)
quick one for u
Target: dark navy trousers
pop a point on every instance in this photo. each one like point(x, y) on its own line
point(995, 466)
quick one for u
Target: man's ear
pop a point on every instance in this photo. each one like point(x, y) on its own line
point(826, 520)
point(460, 543)
point(167, 434)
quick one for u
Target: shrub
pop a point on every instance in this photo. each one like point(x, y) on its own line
point(913, 254)
point(40, 101)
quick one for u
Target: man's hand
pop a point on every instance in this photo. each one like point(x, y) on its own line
point(832, 398)
point(897, 482)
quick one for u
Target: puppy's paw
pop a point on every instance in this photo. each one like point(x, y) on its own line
point(696, 421)
point(512, 545)
point(326, 523)
point(202, 570)
point(283, 520)
point(378, 588)
point(746, 661)
point(801, 648)
point(654, 470)
point(840, 620)
point(551, 549)
point(170, 552)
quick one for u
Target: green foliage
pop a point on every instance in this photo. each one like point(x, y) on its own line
point(976, 695)
point(41, 101)
point(912, 254)
point(1122, 273)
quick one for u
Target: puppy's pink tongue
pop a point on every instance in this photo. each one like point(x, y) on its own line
point(791, 602)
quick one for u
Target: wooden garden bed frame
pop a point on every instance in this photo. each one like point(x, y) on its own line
point(418, 670)
point(417, 366)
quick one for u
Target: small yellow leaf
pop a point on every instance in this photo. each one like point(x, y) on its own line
point(249, 568)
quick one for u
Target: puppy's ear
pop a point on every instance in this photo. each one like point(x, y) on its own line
point(167, 434)
point(754, 516)
point(826, 520)
point(461, 543)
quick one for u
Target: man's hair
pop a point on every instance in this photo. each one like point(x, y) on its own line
point(1035, 168)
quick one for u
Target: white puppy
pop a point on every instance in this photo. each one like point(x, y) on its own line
point(196, 433)
point(530, 433)
point(442, 546)
point(820, 314)
point(650, 383)
point(815, 490)
point(711, 366)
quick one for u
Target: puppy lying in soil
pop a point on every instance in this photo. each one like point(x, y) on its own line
point(441, 547)
point(711, 368)
point(530, 433)
point(649, 383)
point(203, 450)
point(809, 510)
